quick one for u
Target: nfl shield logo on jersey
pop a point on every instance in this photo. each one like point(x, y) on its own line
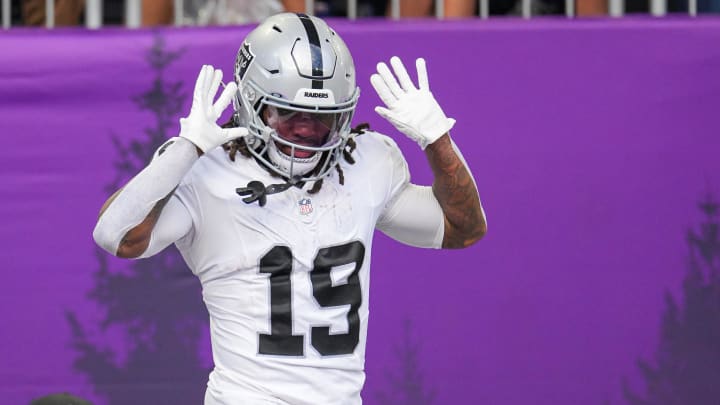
point(305, 206)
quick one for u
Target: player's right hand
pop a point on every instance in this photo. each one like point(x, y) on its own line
point(200, 126)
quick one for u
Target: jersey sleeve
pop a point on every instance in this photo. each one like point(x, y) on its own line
point(396, 170)
point(412, 214)
point(186, 195)
point(173, 224)
point(414, 217)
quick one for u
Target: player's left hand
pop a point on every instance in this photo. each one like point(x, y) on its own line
point(413, 111)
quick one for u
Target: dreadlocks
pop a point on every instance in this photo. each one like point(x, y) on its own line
point(239, 145)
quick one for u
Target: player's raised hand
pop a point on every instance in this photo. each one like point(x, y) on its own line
point(200, 126)
point(412, 110)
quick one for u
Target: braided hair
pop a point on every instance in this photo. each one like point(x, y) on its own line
point(239, 145)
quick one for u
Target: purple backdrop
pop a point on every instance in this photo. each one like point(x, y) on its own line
point(591, 141)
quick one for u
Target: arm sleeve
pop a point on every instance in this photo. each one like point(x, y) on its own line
point(173, 224)
point(133, 203)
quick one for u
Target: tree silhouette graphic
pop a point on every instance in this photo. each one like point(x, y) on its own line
point(406, 384)
point(687, 363)
point(156, 302)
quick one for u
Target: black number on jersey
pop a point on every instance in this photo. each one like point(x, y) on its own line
point(278, 263)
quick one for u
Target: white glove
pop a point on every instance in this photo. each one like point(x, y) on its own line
point(412, 111)
point(200, 126)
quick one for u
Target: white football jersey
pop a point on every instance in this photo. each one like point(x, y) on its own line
point(286, 285)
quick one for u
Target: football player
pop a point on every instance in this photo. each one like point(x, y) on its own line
point(275, 211)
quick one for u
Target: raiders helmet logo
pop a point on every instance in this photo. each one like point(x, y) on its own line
point(243, 60)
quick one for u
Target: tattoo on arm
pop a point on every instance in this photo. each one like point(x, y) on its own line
point(455, 191)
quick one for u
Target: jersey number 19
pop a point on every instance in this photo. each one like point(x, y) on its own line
point(278, 263)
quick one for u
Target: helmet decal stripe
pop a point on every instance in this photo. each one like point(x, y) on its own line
point(315, 50)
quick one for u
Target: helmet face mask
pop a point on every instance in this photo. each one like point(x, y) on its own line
point(308, 129)
point(296, 95)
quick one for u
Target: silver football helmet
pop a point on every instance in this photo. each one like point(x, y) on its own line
point(296, 95)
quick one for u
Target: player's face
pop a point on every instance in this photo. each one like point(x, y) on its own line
point(300, 128)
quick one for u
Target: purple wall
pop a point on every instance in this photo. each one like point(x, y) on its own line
point(591, 141)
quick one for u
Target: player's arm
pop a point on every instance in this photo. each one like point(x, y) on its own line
point(445, 215)
point(167, 222)
point(127, 221)
point(130, 208)
point(455, 190)
point(416, 113)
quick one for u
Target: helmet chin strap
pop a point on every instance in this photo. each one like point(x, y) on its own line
point(256, 190)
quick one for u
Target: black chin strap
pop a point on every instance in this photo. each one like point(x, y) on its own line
point(256, 190)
